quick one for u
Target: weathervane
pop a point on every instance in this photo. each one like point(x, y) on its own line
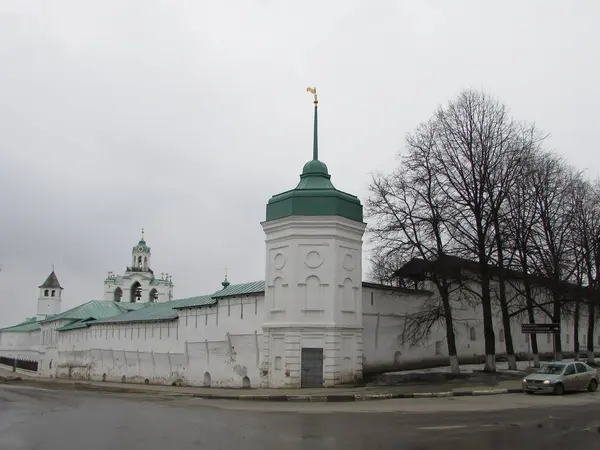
point(142, 234)
point(313, 91)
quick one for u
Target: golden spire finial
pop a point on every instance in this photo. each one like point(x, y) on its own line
point(313, 91)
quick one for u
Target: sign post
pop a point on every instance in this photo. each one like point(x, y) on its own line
point(541, 328)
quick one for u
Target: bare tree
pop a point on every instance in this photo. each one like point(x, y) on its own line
point(480, 151)
point(411, 211)
point(552, 240)
point(522, 216)
point(586, 233)
point(383, 266)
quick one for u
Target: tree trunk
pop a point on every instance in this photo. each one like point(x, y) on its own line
point(450, 336)
point(488, 323)
point(531, 315)
point(576, 332)
point(590, 333)
point(508, 342)
point(510, 351)
point(556, 318)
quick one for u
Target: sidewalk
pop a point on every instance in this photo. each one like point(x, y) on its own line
point(340, 394)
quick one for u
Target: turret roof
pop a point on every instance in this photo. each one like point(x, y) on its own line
point(51, 282)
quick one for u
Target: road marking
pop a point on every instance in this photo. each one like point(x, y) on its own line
point(443, 427)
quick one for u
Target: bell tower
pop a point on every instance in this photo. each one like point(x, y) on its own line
point(141, 256)
point(49, 300)
point(312, 329)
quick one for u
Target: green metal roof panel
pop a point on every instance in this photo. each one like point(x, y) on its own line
point(241, 289)
point(75, 325)
point(129, 306)
point(98, 309)
point(23, 327)
point(316, 202)
point(315, 195)
point(192, 302)
point(151, 312)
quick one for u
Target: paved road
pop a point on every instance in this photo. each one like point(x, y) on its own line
point(32, 418)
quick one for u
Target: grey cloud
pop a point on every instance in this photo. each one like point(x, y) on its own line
point(185, 117)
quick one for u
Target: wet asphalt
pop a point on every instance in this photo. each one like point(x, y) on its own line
point(33, 418)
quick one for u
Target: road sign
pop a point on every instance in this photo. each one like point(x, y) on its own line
point(540, 328)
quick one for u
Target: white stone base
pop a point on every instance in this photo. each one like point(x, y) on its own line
point(282, 357)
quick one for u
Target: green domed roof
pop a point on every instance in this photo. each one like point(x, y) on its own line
point(315, 167)
point(142, 244)
point(314, 195)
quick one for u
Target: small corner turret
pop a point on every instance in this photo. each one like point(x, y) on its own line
point(50, 297)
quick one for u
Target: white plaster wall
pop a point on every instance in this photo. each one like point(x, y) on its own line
point(137, 351)
point(21, 345)
point(383, 323)
point(226, 342)
point(221, 340)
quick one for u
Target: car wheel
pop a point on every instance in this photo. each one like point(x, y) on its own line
point(529, 392)
point(593, 386)
point(559, 389)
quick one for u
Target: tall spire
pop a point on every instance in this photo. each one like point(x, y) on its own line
point(313, 91)
point(314, 195)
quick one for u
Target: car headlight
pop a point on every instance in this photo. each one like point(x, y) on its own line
point(524, 380)
point(546, 381)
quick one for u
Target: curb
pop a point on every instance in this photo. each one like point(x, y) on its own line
point(327, 398)
point(356, 397)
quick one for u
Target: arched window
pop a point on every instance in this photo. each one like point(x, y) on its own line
point(53, 292)
point(118, 294)
point(136, 292)
point(46, 293)
point(139, 261)
point(472, 334)
point(153, 296)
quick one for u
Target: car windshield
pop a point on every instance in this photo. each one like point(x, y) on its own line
point(554, 369)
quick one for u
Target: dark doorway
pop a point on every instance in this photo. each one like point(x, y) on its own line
point(312, 368)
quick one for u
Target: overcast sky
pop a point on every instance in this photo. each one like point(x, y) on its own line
point(184, 117)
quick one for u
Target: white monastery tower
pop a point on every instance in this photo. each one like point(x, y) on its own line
point(313, 331)
point(138, 284)
point(50, 297)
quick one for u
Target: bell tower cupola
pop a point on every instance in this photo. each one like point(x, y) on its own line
point(141, 256)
